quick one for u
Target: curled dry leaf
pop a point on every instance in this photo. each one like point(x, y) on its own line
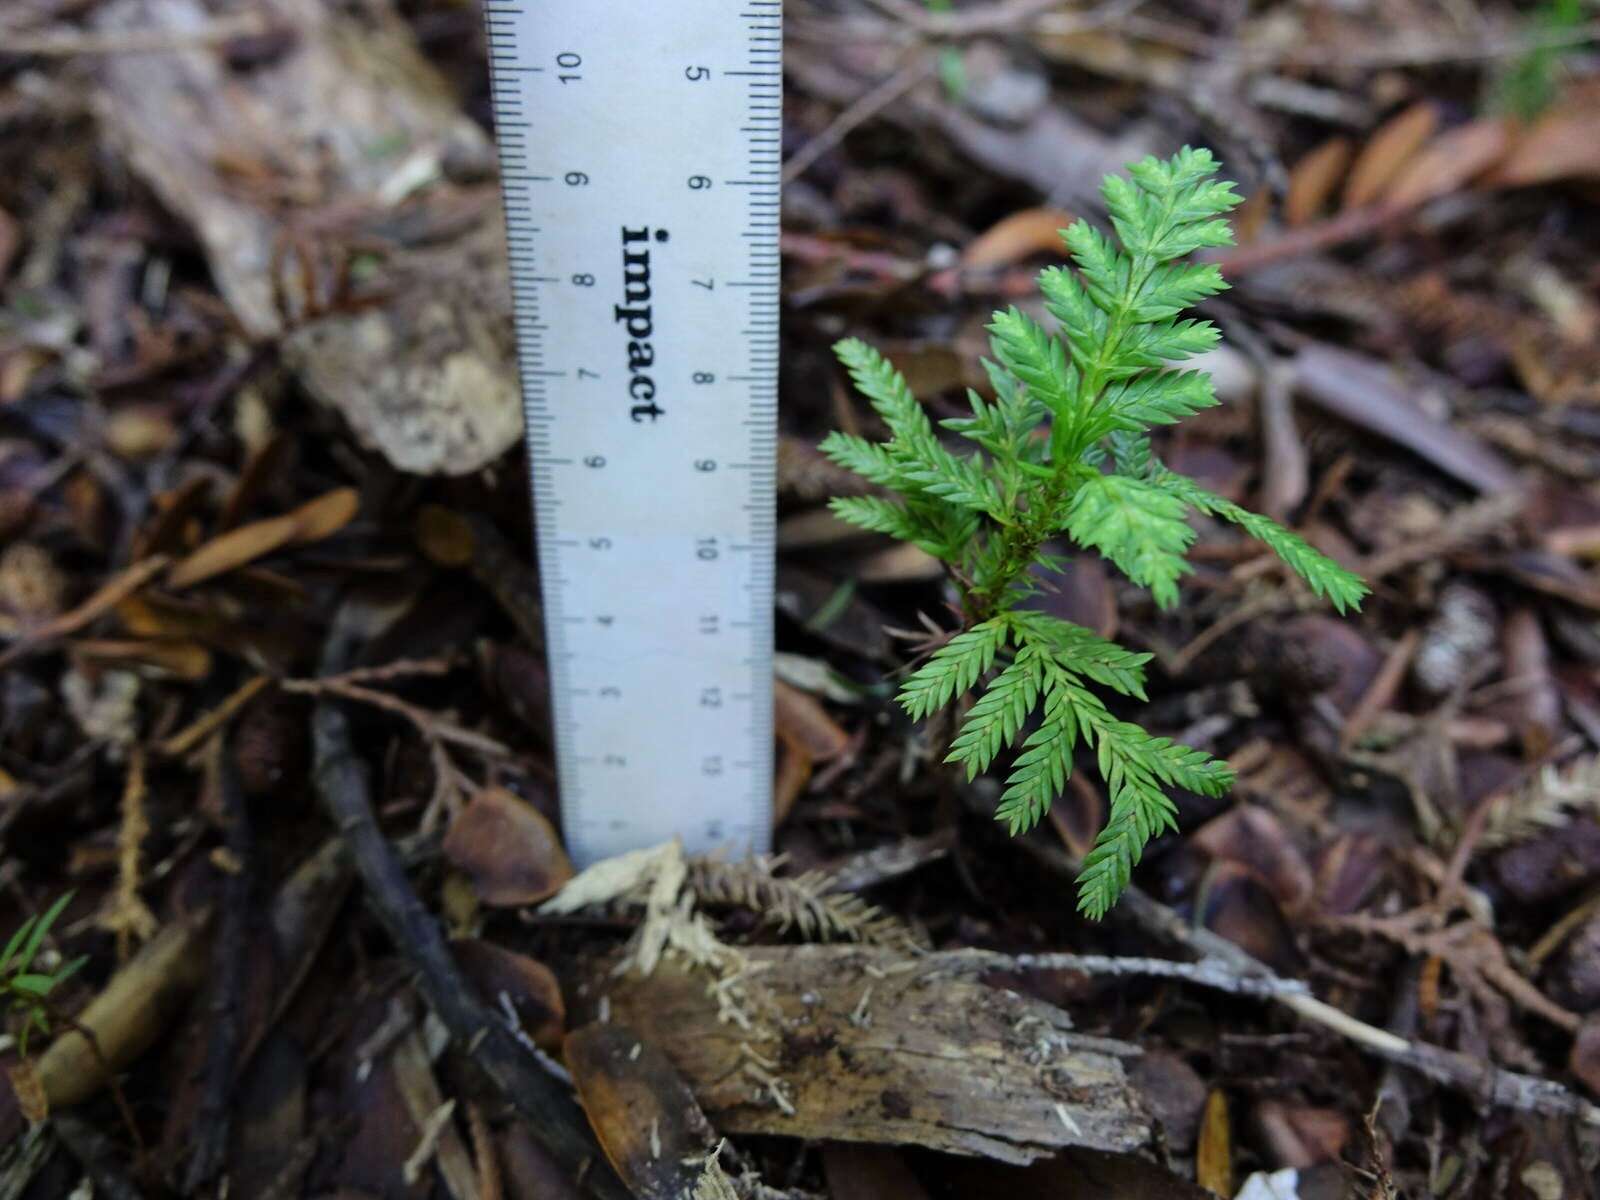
point(508, 849)
point(32, 1101)
point(1388, 152)
point(1016, 237)
point(504, 977)
point(1313, 180)
point(1255, 839)
point(642, 1112)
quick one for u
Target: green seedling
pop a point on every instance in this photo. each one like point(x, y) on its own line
point(1065, 452)
point(24, 991)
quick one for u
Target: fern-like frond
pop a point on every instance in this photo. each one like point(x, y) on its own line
point(1039, 772)
point(1341, 588)
point(1138, 526)
point(953, 668)
point(1081, 651)
point(998, 715)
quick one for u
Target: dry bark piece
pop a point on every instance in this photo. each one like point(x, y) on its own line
point(642, 1112)
point(864, 1045)
point(504, 977)
point(310, 143)
point(512, 854)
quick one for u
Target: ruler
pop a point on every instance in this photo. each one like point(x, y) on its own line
point(639, 156)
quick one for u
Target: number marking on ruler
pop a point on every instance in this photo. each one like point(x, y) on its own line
point(639, 156)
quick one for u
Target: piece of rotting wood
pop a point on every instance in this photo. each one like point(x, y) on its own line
point(336, 145)
point(861, 1044)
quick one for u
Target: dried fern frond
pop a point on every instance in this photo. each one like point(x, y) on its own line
point(1550, 800)
point(800, 902)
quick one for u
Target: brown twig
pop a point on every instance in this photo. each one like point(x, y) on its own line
point(343, 783)
point(42, 637)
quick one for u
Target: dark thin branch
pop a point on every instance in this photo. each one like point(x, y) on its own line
point(230, 951)
point(343, 783)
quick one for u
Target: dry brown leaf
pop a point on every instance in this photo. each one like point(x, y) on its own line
point(183, 660)
point(509, 850)
point(802, 717)
point(234, 549)
point(1561, 144)
point(1388, 152)
point(505, 979)
point(326, 515)
point(790, 779)
point(1450, 162)
point(1019, 236)
point(1213, 1164)
point(642, 1112)
point(1314, 179)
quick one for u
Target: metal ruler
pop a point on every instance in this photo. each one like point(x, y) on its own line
point(639, 155)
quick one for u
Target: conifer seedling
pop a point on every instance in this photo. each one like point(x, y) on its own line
point(1064, 451)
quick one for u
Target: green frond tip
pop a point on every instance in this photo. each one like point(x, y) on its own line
point(953, 669)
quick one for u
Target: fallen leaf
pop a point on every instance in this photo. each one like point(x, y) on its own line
point(1255, 839)
point(1018, 236)
point(10, 241)
point(1301, 1135)
point(1388, 152)
point(32, 1101)
point(1584, 1059)
point(1450, 162)
point(1561, 144)
point(266, 465)
point(233, 549)
point(1213, 1164)
point(1174, 1094)
point(326, 515)
point(509, 850)
point(801, 717)
point(1314, 179)
point(504, 977)
point(642, 1112)
point(182, 660)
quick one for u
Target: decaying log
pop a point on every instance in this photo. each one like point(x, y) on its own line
point(320, 140)
point(861, 1044)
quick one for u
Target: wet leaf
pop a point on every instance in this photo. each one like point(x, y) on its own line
point(1255, 839)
